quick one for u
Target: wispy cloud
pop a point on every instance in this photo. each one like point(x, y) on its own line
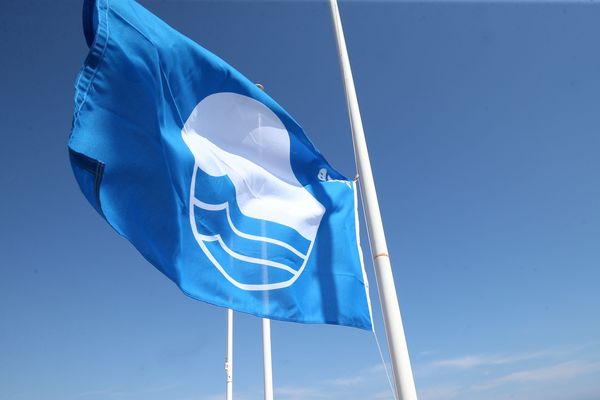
point(488, 360)
point(298, 392)
point(473, 361)
point(361, 376)
point(220, 396)
point(533, 375)
point(520, 374)
point(443, 392)
point(559, 372)
point(347, 381)
point(367, 383)
point(117, 393)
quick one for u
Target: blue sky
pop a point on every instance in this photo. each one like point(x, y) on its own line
point(484, 132)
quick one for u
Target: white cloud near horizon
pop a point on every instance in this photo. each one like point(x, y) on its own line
point(469, 376)
point(481, 360)
point(532, 375)
point(472, 361)
point(367, 383)
point(558, 372)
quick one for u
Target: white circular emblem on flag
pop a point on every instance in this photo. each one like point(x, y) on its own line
point(249, 214)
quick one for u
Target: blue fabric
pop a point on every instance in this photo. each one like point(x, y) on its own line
point(137, 88)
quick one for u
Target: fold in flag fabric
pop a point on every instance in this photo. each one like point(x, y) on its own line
point(209, 178)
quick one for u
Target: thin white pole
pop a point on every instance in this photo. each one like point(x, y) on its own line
point(229, 357)
point(266, 323)
point(403, 377)
point(267, 363)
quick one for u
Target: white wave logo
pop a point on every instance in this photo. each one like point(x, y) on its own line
point(248, 212)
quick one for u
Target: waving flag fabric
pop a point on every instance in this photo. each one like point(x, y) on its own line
point(209, 178)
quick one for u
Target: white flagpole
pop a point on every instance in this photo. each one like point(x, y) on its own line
point(266, 334)
point(229, 357)
point(267, 365)
point(403, 377)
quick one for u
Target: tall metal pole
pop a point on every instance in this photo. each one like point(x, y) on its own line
point(266, 323)
point(403, 377)
point(229, 357)
point(267, 364)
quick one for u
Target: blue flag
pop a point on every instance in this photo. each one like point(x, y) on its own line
point(209, 178)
